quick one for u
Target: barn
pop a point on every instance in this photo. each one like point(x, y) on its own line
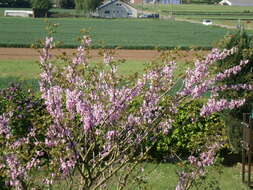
point(116, 9)
point(175, 2)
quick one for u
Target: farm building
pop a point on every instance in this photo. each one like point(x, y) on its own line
point(175, 2)
point(136, 1)
point(237, 2)
point(116, 9)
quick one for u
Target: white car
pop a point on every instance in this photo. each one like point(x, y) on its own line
point(207, 22)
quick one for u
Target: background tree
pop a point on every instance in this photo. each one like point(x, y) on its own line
point(67, 4)
point(41, 7)
point(87, 5)
point(14, 3)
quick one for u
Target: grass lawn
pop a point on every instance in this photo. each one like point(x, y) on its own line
point(28, 71)
point(162, 176)
point(19, 71)
point(125, 33)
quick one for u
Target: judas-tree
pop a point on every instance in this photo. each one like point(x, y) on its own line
point(101, 121)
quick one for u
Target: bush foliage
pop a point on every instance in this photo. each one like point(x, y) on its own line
point(189, 133)
point(28, 112)
point(244, 42)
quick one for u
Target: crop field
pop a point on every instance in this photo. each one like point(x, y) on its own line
point(200, 9)
point(224, 15)
point(123, 33)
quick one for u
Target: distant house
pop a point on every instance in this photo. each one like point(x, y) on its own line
point(136, 1)
point(175, 2)
point(237, 2)
point(116, 9)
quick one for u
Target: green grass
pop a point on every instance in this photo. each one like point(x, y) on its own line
point(27, 72)
point(163, 177)
point(125, 33)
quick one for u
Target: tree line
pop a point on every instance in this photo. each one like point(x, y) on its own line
point(41, 7)
point(68, 4)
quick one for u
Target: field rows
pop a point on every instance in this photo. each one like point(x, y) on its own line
point(199, 8)
point(123, 33)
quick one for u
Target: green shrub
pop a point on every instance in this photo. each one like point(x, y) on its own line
point(244, 43)
point(41, 7)
point(28, 114)
point(28, 110)
point(187, 135)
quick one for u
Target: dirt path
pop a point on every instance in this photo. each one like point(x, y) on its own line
point(31, 54)
point(136, 55)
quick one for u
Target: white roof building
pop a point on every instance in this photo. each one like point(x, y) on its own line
point(116, 9)
point(237, 2)
point(175, 2)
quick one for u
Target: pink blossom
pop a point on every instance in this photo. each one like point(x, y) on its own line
point(48, 42)
point(111, 134)
point(4, 127)
point(87, 40)
point(53, 101)
point(107, 58)
point(213, 105)
point(67, 166)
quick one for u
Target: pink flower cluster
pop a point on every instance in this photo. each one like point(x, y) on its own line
point(198, 165)
point(16, 172)
point(67, 166)
point(196, 77)
point(53, 101)
point(4, 127)
point(213, 106)
point(231, 71)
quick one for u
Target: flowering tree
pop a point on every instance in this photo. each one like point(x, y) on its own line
point(100, 120)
